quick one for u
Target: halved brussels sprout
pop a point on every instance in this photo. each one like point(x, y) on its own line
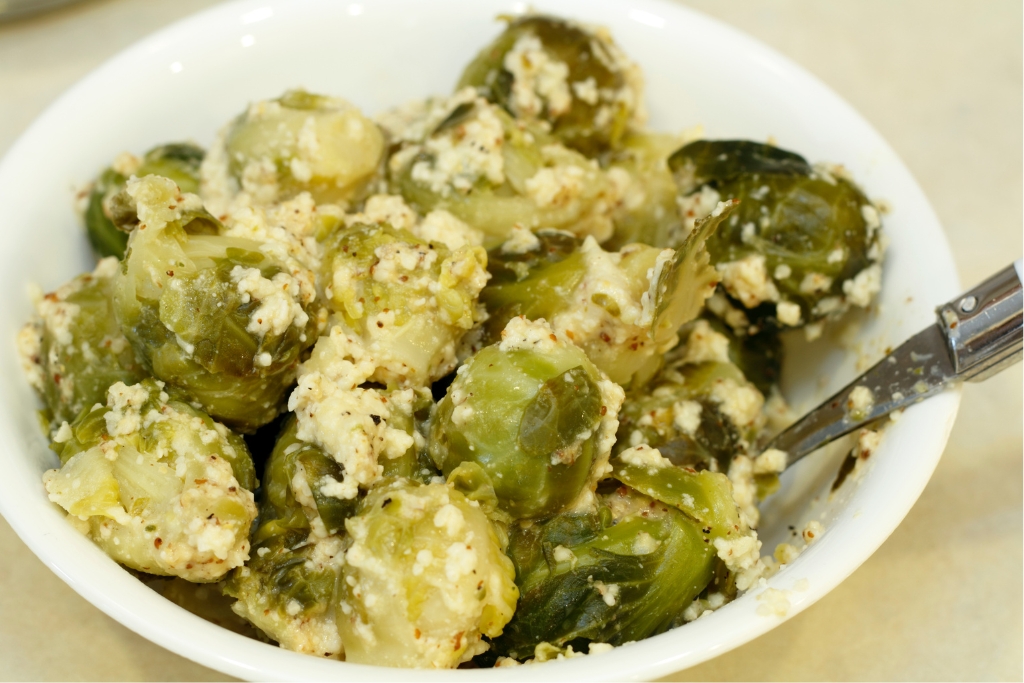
point(294, 495)
point(410, 301)
point(699, 410)
point(535, 414)
point(214, 315)
point(300, 142)
point(178, 161)
point(469, 157)
point(620, 574)
point(622, 308)
point(573, 78)
point(73, 350)
point(804, 243)
point(424, 580)
point(289, 590)
point(157, 484)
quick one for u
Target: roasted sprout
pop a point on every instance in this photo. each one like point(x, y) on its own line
point(534, 414)
point(294, 495)
point(300, 142)
point(621, 574)
point(572, 78)
point(409, 301)
point(425, 578)
point(699, 410)
point(179, 162)
point(804, 243)
point(622, 308)
point(211, 314)
point(469, 157)
point(73, 351)
point(157, 484)
point(289, 590)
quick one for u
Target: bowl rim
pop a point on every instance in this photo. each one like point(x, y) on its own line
point(189, 636)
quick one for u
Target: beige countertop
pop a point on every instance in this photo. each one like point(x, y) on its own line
point(942, 598)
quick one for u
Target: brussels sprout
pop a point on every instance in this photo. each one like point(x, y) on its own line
point(699, 410)
point(157, 484)
point(425, 578)
point(408, 300)
point(74, 350)
point(622, 308)
point(803, 245)
point(534, 414)
point(294, 495)
point(621, 574)
point(573, 78)
point(472, 159)
point(647, 210)
point(289, 590)
point(211, 314)
point(179, 162)
point(300, 142)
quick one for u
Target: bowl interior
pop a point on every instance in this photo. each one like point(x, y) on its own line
point(191, 78)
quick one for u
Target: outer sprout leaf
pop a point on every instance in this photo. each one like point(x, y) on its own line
point(681, 287)
point(565, 407)
point(721, 160)
point(704, 496)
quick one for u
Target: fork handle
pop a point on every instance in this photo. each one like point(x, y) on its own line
point(984, 326)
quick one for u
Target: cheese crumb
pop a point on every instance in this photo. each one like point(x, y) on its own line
point(747, 280)
point(520, 241)
point(788, 313)
point(772, 461)
point(521, 334)
point(686, 416)
point(644, 456)
point(773, 602)
point(704, 344)
point(540, 82)
point(863, 287)
point(860, 402)
point(125, 403)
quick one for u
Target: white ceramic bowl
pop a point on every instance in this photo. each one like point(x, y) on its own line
point(189, 79)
